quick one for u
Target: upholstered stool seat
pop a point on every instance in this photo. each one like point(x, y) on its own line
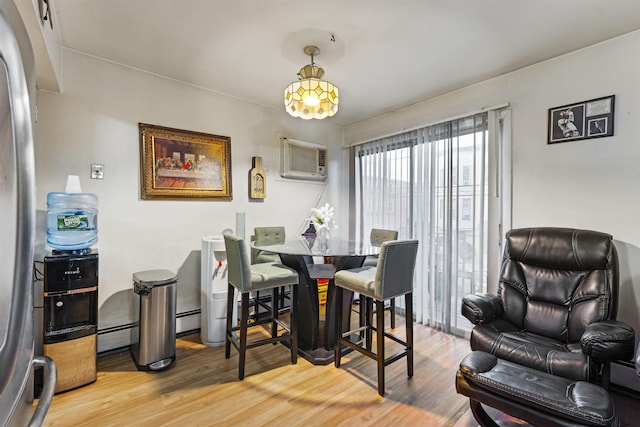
point(377, 237)
point(536, 397)
point(267, 236)
point(247, 278)
point(392, 277)
point(265, 256)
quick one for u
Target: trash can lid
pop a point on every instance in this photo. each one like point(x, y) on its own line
point(154, 277)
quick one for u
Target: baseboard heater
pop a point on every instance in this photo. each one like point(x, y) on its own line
point(624, 374)
point(117, 338)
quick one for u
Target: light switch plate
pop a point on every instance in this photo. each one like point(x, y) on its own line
point(97, 171)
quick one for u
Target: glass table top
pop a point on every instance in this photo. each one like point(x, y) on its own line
point(314, 247)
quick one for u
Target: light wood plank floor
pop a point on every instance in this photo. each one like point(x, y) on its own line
point(202, 389)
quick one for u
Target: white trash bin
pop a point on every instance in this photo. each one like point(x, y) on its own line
point(213, 292)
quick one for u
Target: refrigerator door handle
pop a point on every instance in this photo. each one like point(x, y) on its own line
point(48, 388)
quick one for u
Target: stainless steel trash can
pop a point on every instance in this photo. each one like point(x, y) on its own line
point(154, 316)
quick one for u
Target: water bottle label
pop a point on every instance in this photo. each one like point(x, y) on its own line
point(72, 222)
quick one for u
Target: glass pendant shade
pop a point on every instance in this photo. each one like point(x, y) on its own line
point(311, 97)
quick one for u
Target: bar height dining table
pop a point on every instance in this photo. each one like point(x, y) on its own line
point(316, 336)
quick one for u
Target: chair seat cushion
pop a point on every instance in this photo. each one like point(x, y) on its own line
point(393, 278)
point(577, 401)
point(370, 261)
point(506, 341)
point(360, 280)
point(264, 257)
point(271, 275)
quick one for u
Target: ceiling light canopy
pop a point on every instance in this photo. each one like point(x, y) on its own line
point(311, 97)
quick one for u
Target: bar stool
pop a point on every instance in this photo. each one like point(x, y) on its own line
point(264, 236)
point(392, 277)
point(247, 278)
point(267, 236)
point(377, 237)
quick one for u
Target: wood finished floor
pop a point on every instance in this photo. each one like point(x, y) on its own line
point(202, 389)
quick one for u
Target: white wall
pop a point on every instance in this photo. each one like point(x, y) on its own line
point(592, 184)
point(95, 120)
point(45, 42)
point(587, 184)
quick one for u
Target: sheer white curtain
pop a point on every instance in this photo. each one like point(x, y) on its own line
point(431, 184)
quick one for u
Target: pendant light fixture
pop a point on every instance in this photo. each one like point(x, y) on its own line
point(311, 97)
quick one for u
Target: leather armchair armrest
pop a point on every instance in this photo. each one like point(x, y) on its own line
point(608, 340)
point(481, 308)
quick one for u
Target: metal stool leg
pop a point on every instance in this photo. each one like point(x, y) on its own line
point(408, 302)
point(274, 312)
point(392, 310)
point(229, 332)
point(380, 345)
point(338, 327)
point(362, 315)
point(368, 321)
point(293, 322)
point(242, 347)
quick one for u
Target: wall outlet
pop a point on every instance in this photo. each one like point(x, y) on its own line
point(97, 171)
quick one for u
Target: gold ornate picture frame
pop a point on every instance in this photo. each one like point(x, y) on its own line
point(181, 164)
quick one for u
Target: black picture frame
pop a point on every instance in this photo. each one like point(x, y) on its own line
point(581, 120)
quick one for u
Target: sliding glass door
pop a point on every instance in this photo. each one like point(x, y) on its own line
point(433, 184)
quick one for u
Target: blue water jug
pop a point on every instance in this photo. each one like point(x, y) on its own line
point(72, 220)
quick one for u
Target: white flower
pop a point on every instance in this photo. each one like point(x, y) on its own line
point(322, 217)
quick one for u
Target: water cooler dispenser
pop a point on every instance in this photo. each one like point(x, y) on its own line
point(66, 299)
point(70, 316)
point(213, 292)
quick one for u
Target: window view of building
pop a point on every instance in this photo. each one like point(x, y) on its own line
point(431, 184)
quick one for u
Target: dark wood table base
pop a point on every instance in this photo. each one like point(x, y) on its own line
point(322, 356)
point(316, 338)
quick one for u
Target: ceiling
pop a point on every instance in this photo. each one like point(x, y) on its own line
point(383, 55)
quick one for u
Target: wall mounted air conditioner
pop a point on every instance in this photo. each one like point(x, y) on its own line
point(303, 160)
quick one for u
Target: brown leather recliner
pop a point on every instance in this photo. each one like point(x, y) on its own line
point(556, 304)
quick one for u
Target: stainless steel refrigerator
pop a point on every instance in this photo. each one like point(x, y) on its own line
point(17, 229)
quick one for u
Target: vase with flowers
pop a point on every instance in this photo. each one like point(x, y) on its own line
point(322, 220)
